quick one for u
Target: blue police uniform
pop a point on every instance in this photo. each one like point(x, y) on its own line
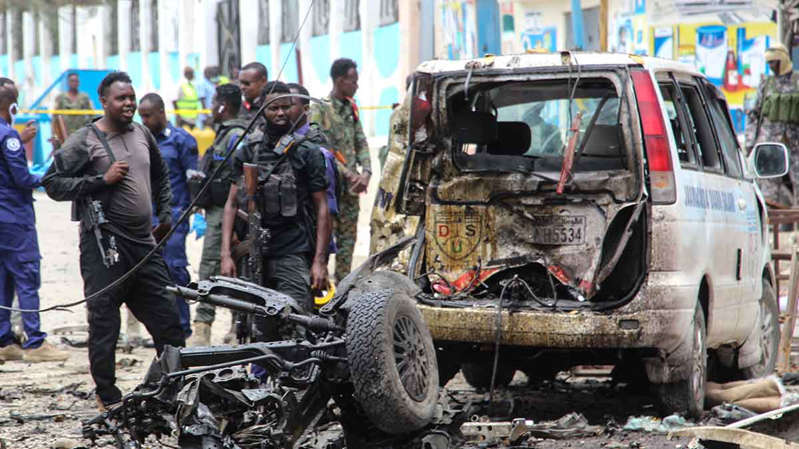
point(19, 247)
point(179, 150)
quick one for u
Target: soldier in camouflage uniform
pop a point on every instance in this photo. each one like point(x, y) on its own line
point(228, 127)
point(765, 123)
point(338, 117)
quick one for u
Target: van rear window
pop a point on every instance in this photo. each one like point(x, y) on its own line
point(532, 120)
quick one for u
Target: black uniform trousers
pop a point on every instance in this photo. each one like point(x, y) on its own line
point(145, 295)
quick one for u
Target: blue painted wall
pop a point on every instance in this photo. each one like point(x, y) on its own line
point(289, 74)
point(155, 69)
point(488, 40)
point(320, 57)
point(263, 54)
point(350, 45)
point(112, 62)
point(36, 62)
point(134, 67)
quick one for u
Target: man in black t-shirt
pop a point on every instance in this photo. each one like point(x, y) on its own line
point(292, 203)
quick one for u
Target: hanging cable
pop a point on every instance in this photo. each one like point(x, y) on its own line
point(206, 185)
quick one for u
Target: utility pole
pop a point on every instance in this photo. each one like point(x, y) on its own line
point(603, 25)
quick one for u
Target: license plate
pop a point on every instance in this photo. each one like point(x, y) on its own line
point(559, 229)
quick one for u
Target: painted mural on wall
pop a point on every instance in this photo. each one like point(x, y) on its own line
point(628, 29)
point(535, 37)
point(731, 56)
point(459, 28)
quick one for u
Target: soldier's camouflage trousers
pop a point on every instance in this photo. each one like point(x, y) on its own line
point(346, 230)
point(210, 262)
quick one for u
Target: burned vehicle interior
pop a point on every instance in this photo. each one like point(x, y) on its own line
point(530, 177)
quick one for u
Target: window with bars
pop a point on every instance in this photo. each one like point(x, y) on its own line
point(290, 21)
point(263, 22)
point(37, 38)
point(389, 12)
point(3, 43)
point(154, 25)
point(16, 31)
point(135, 41)
point(111, 34)
point(73, 38)
point(352, 15)
point(321, 17)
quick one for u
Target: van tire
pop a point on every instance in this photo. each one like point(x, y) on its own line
point(768, 320)
point(396, 399)
point(687, 396)
point(479, 374)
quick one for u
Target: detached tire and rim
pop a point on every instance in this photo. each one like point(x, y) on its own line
point(392, 361)
point(768, 320)
point(688, 396)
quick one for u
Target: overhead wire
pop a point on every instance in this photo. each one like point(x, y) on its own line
point(160, 244)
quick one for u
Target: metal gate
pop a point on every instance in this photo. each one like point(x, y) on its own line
point(227, 26)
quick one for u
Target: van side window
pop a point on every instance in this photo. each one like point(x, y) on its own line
point(684, 151)
point(700, 126)
point(727, 141)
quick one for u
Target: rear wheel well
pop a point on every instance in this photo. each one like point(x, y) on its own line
point(767, 276)
point(704, 299)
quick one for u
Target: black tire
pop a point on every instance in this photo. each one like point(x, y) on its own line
point(768, 320)
point(687, 396)
point(392, 361)
point(479, 374)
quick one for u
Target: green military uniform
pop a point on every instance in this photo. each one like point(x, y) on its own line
point(227, 134)
point(82, 101)
point(339, 120)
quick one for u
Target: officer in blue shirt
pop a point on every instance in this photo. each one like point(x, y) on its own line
point(179, 150)
point(19, 247)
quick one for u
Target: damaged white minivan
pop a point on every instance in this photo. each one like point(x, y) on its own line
point(573, 208)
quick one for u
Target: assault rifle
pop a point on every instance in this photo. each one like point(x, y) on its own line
point(258, 236)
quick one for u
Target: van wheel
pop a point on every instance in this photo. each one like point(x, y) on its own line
point(769, 334)
point(688, 396)
point(478, 374)
point(392, 361)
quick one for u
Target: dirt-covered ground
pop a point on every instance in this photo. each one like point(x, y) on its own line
point(42, 405)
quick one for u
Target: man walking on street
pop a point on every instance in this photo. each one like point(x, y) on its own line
point(228, 127)
point(188, 99)
point(113, 167)
point(19, 247)
point(294, 205)
point(338, 117)
point(73, 99)
point(179, 151)
point(252, 79)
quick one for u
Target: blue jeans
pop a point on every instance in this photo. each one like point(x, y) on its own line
point(175, 258)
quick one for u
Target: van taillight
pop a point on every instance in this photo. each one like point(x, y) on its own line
point(658, 153)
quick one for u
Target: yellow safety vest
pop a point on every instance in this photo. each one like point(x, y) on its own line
point(190, 100)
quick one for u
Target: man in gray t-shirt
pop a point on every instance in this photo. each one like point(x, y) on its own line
point(117, 163)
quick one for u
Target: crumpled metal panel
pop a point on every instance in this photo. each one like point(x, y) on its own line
point(388, 226)
point(566, 238)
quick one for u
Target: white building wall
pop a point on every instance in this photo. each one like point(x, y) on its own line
point(248, 29)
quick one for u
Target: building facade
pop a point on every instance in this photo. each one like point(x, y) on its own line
point(153, 40)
